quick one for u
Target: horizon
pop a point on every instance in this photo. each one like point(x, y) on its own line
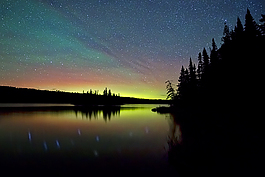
point(130, 47)
point(85, 92)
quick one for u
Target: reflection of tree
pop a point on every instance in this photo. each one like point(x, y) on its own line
point(175, 135)
point(208, 144)
point(95, 112)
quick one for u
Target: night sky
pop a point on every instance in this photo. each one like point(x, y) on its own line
point(131, 47)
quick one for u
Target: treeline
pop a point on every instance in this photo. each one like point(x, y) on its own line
point(25, 95)
point(106, 92)
point(227, 77)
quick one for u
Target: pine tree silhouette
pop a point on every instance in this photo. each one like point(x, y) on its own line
point(238, 30)
point(109, 93)
point(251, 28)
point(170, 90)
point(200, 66)
point(105, 92)
point(227, 35)
point(213, 55)
point(205, 60)
point(181, 85)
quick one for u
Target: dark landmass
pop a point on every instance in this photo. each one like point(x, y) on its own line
point(25, 95)
point(164, 109)
point(218, 107)
point(217, 144)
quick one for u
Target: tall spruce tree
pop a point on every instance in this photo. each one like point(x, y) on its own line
point(238, 29)
point(227, 35)
point(205, 74)
point(109, 93)
point(251, 28)
point(192, 74)
point(187, 76)
point(181, 84)
point(200, 66)
point(186, 84)
point(170, 90)
point(192, 81)
point(213, 55)
point(105, 92)
point(205, 58)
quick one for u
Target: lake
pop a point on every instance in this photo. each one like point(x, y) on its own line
point(130, 139)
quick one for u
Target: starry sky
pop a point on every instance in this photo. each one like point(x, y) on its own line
point(130, 46)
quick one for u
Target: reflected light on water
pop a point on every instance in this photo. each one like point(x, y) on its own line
point(29, 135)
point(132, 138)
point(45, 146)
point(97, 138)
point(57, 144)
point(79, 131)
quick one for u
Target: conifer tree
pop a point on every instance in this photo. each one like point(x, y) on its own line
point(205, 58)
point(186, 76)
point(109, 93)
point(251, 28)
point(227, 35)
point(170, 90)
point(213, 55)
point(192, 83)
point(105, 92)
point(238, 29)
point(192, 73)
point(200, 66)
point(181, 84)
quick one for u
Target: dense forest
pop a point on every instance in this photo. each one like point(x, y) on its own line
point(218, 107)
point(228, 77)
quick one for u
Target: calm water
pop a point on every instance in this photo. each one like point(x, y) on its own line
point(132, 138)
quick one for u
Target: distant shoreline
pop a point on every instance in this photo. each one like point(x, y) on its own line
point(24, 95)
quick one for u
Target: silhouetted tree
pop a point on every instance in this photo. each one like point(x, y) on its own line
point(105, 91)
point(192, 71)
point(109, 93)
point(186, 84)
point(251, 28)
point(205, 58)
point(170, 90)
point(186, 76)
point(192, 75)
point(226, 35)
point(238, 29)
point(181, 84)
point(192, 84)
point(213, 55)
point(200, 66)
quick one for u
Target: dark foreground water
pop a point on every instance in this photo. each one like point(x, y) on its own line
point(62, 140)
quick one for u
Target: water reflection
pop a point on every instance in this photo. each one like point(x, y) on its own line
point(45, 145)
point(134, 139)
point(95, 112)
point(210, 144)
point(175, 134)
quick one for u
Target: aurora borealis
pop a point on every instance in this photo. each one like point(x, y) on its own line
point(131, 47)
